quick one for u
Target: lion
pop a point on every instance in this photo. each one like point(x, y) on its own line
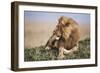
point(65, 36)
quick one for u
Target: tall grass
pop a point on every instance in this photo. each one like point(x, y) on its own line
point(40, 54)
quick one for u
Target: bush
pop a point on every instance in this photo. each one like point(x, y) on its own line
point(40, 54)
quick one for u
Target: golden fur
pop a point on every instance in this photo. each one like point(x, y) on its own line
point(68, 32)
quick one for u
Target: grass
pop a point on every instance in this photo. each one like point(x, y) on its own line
point(40, 54)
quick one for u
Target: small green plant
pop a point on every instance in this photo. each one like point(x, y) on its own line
point(40, 54)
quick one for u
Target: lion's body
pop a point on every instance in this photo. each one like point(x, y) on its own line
point(69, 35)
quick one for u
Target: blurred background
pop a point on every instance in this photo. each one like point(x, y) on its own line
point(40, 25)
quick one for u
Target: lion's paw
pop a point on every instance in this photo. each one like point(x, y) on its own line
point(47, 48)
point(61, 56)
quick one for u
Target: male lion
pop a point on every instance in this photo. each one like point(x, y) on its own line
point(65, 36)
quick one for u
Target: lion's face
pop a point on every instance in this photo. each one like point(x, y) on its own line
point(57, 33)
point(62, 28)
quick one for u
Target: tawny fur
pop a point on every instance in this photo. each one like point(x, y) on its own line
point(68, 32)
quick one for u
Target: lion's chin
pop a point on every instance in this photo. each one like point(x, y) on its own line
point(57, 38)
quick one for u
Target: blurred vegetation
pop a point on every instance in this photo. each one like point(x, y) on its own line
point(41, 54)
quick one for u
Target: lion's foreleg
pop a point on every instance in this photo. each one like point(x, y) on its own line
point(61, 53)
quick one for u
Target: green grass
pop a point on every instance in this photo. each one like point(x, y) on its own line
point(40, 54)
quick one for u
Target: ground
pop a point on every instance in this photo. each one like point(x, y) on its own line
point(41, 54)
